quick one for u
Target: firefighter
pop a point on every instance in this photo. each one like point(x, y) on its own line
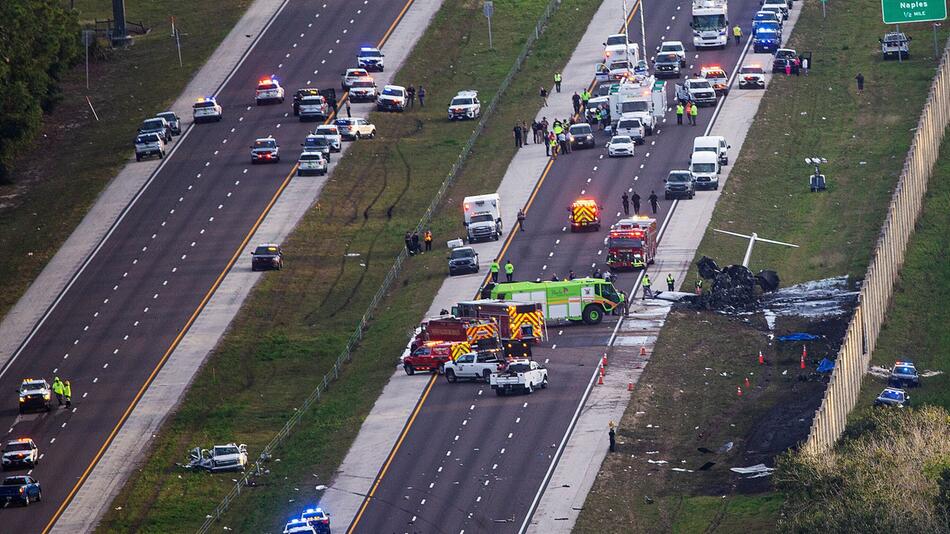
point(58, 390)
point(647, 292)
point(494, 271)
point(427, 238)
point(509, 270)
point(669, 281)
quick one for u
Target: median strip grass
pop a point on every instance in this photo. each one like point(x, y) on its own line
point(53, 189)
point(296, 321)
point(865, 137)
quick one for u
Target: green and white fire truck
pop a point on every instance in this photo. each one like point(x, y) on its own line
point(581, 299)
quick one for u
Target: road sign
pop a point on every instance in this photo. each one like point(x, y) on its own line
point(903, 11)
point(489, 8)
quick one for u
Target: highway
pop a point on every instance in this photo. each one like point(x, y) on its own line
point(124, 313)
point(474, 462)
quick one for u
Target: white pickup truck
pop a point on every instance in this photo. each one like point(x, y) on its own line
point(520, 375)
point(471, 366)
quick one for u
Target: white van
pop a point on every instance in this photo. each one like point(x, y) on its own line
point(715, 144)
point(705, 168)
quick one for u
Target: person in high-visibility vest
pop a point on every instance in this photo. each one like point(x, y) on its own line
point(58, 390)
point(427, 239)
point(638, 262)
point(693, 113)
point(699, 286)
point(647, 292)
point(557, 81)
point(737, 33)
point(494, 271)
point(509, 270)
point(68, 393)
point(669, 281)
point(679, 112)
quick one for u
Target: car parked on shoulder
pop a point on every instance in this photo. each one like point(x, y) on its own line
point(312, 162)
point(783, 57)
point(332, 133)
point(392, 98)
point(679, 184)
point(351, 75)
point(267, 256)
point(318, 519)
point(904, 374)
point(463, 260)
point(157, 125)
point(147, 145)
point(356, 128)
point(363, 90)
point(206, 109)
point(893, 397)
point(317, 143)
point(174, 122)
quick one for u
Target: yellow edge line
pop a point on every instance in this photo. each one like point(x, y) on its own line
point(415, 412)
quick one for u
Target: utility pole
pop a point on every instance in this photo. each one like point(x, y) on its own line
point(752, 239)
point(489, 9)
point(177, 36)
point(87, 39)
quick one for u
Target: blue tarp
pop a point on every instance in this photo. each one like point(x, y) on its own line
point(825, 365)
point(798, 336)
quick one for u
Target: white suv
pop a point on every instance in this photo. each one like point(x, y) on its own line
point(269, 90)
point(311, 163)
point(332, 133)
point(149, 144)
point(370, 59)
point(351, 75)
point(393, 98)
point(465, 105)
point(356, 128)
point(363, 89)
point(206, 109)
point(674, 47)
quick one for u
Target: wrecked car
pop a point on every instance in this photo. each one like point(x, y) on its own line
point(229, 457)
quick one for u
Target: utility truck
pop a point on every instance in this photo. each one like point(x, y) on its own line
point(581, 299)
point(710, 23)
point(519, 375)
point(473, 366)
point(482, 217)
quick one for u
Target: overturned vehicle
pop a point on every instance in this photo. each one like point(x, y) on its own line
point(229, 457)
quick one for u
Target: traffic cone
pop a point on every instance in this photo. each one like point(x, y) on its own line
point(600, 380)
point(761, 358)
point(643, 351)
point(738, 391)
point(804, 353)
point(603, 362)
point(747, 383)
point(629, 386)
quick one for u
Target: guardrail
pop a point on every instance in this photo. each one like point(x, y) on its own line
point(257, 468)
point(861, 337)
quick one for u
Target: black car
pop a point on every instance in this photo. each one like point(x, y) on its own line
point(784, 56)
point(667, 66)
point(581, 135)
point(266, 257)
point(463, 260)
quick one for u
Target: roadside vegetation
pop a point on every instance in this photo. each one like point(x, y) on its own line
point(296, 321)
point(864, 137)
point(48, 191)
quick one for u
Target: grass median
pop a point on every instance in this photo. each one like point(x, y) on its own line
point(296, 321)
point(865, 137)
point(53, 189)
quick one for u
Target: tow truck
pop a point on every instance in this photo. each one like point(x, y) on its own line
point(269, 90)
point(581, 299)
point(717, 77)
point(631, 244)
point(584, 214)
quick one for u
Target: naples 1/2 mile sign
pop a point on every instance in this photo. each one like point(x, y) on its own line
point(906, 11)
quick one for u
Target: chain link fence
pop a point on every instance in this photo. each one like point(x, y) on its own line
point(861, 337)
point(257, 468)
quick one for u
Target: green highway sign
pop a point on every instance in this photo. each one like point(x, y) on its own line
point(904, 11)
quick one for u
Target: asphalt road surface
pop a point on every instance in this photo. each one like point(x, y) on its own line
point(123, 315)
point(473, 462)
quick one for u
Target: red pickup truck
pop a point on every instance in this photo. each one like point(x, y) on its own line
point(431, 355)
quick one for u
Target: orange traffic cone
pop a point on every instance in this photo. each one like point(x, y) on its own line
point(629, 386)
point(643, 351)
point(600, 380)
point(603, 362)
point(739, 391)
point(747, 383)
point(761, 358)
point(804, 353)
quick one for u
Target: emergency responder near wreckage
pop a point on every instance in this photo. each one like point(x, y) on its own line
point(509, 270)
point(669, 281)
point(647, 292)
point(494, 271)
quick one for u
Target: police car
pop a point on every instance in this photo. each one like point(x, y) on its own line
point(351, 75)
point(265, 149)
point(356, 128)
point(370, 59)
point(35, 394)
point(904, 374)
point(363, 89)
point(332, 133)
point(751, 77)
point(317, 143)
point(269, 90)
point(300, 94)
point(893, 397)
point(267, 256)
point(20, 453)
point(298, 526)
point(465, 105)
point(312, 162)
point(392, 98)
point(318, 519)
point(206, 109)
point(717, 77)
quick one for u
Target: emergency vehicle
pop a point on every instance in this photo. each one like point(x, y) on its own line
point(269, 90)
point(581, 299)
point(206, 109)
point(631, 243)
point(585, 214)
point(717, 77)
point(517, 321)
point(489, 328)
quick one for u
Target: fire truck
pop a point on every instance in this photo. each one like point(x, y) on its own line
point(631, 243)
point(446, 338)
point(520, 324)
point(585, 214)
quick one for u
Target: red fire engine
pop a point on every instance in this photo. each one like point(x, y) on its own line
point(631, 243)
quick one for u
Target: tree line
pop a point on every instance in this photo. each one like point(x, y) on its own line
point(39, 41)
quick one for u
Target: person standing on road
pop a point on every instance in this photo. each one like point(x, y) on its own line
point(552, 143)
point(576, 100)
point(517, 132)
point(653, 201)
point(422, 96)
point(347, 104)
point(557, 81)
point(636, 203)
point(427, 239)
point(647, 292)
point(626, 203)
point(58, 390)
point(737, 33)
point(693, 112)
point(521, 218)
point(524, 131)
point(411, 96)
point(543, 93)
point(68, 393)
point(494, 271)
point(679, 112)
point(669, 281)
point(509, 270)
